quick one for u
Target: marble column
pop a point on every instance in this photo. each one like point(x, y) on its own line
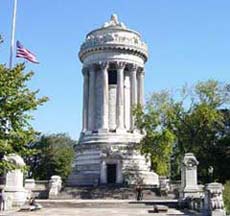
point(133, 77)
point(120, 95)
point(103, 173)
point(85, 100)
point(127, 100)
point(105, 97)
point(91, 105)
point(119, 179)
point(141, 87)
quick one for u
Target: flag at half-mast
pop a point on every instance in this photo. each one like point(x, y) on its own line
point(22, 52)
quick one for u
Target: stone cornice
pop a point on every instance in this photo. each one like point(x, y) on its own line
point(114, 47)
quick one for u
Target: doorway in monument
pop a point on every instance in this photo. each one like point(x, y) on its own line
point(111, 173)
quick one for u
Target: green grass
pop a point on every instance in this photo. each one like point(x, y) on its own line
point(226, 196)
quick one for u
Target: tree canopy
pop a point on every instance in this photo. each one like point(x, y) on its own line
point(16, 103)
point(188, 120)
point(54, 156)
point(158, 140)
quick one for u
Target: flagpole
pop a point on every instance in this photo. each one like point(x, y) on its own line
point(13, 34)
point(12, 48)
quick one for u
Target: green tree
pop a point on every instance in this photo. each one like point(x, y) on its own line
point(191, 115)
point(158, 140)
point(16, 103)
point(199, 121)
point(222, 150)
point(54, 156)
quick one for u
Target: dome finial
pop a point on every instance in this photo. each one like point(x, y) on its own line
point(114, 22)
point(114, 19)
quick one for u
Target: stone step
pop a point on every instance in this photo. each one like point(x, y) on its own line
point(106, 192)
point(106, 203)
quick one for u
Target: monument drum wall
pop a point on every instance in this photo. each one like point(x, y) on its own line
point(113, 59)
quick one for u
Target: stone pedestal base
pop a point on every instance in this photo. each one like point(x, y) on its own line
point(110, 159)
point(17, 197)
point(190, 192)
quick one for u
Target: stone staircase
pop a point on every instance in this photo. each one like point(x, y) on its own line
point(112, 198)
point(109, 192)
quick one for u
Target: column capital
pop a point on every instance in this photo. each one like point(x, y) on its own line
point(141, 70)
point(91, 67)
point(103, 65)
point(120, 65)
point(85, 71)
point(133, 67)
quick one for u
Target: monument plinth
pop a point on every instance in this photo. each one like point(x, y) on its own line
point(113, 59)
point(189, 186)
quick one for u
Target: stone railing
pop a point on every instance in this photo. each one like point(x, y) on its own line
point(164, 185)
point(55, 185)
point(174, 187)
point(43, 189)
point(209, 204)
point(196, 204)
point(208, 199)
point(37, 188)
point(213, 202)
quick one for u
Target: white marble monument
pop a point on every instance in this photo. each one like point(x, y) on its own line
point(14, 189)
point(113, 59)
point(189, 186)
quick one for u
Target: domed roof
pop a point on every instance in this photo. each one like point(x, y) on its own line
point(114, 35)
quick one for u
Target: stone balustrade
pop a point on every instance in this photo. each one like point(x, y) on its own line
point(213, 202)
point(55, 186)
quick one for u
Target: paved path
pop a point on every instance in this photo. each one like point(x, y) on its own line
point(95, 208)
point(93, 212)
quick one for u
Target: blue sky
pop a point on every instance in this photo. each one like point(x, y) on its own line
point(188, 41)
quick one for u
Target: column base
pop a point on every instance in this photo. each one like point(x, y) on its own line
point(135, 131)
point(121, 130)
point(88, 132)
point(103, 130)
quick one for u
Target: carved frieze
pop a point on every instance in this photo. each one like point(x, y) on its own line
point(112, 38)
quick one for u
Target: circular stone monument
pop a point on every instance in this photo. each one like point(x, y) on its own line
point(113, 59)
